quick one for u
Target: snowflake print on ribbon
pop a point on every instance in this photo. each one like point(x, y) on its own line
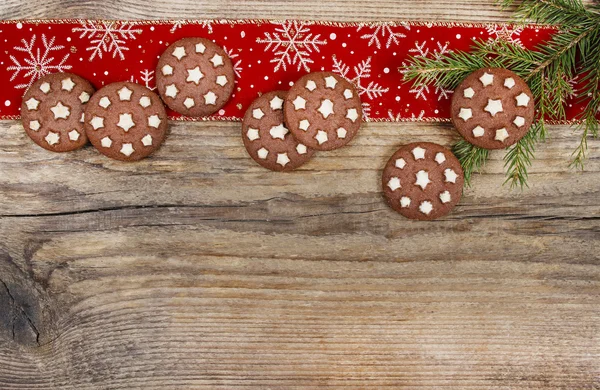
point(107, 37)
point(235, 60)
point(421, 50)
point(37, 62)
point(292, 43)
point(207, 24)
point(506, 33)
point(383, 30)
point(362, 72)
point(146, 78)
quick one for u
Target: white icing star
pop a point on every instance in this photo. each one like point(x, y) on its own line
point(419, 153)
point(262, 153)
point(84, 97)
point(74, 135)
point(321, 137)
point(404, 201)
point(522, 100)
point(487, 79)
point(167, 70)
point(52, 138)
point(200, 48)
point(194, 75)
point(82, 119)
point(509, 82)
point(478, 131)
point(124, 94)
point(299, 103)
point(301, 149)
point(394, 183)
point(282, 159)
point(311, 85)
point(67, 84)
point(400, 163)
point(278, 131)
point(494, 106)
point(106, 142)
point(97, 122)
point(34, 125)
point(216, 60)
point(352, 114)
point(465, 114)
point(341, 132)
point(104, 102)
point(179, 52)
point(326, 108)
point(147, 140)
point(32, 104)
point(210, 98)
point(422, 179)
point(171, 91)
point(252, 134)
point(145, 101)
point(257, 113)
point(125, 122)
point(330, 82)
point(45, 87)
point(426, 207)
point(154, 121)
point(445, 197)
point(440, 157)
point(304, 124)
point(450, 175)
point(347, 94)
point(519, 121)
point(189, 102)
point(276, 103)
point(469, 93)
point(127, 149)
point(222, 80)
point(60, 111)
point(501, 135)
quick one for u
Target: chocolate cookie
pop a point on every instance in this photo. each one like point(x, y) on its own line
point(492, 108)
point(323, 111)
point(423, 181)
point(195, 77)
point(52, 111)
point(266, 138)
point(125, 121)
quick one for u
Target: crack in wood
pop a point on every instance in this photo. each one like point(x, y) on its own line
point(18, 309)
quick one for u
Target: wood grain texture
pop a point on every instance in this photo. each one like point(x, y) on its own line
point(197, 269)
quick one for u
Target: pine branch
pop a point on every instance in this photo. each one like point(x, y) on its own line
point(471, 157)
point(518, 159)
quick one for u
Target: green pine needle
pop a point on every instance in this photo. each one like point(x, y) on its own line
point(471, 157)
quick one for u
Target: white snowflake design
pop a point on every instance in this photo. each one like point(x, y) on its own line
point(107, 37)
point(292, 43)
point(505, 32)
point(205, 23)
point(421, 50)
point(362, 72)
point(236, 61)
point(37, 62)
point(146, 78)
point(383, 30)
point(413, 117)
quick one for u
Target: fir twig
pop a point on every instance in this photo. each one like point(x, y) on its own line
point(471, 157)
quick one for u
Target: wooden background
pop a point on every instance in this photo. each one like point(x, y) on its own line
point(197, 269)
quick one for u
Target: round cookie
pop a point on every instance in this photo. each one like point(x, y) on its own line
point(52, 111)
point(323, 111)
point(125, 121)
point(266, 138)
point(195, 77)
point(492, 108)
point(422, 181)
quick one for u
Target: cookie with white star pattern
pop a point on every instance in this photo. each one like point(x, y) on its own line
point(52, 111)
point(125, 121)
point(492, 108)
point(267, 139)
point(323, 111)
point(423, 181)
point(195, 77)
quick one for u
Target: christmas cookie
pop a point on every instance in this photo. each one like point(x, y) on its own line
point(52, 111)
point(323, 111)
point(267, 139)
point(492, 108)
point(125, 121)
point(195, 77)
point(423, 181)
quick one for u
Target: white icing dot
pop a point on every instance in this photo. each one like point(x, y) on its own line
point(7, 103)
point(332, 36)
point(386, 70)
point(19, 25)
